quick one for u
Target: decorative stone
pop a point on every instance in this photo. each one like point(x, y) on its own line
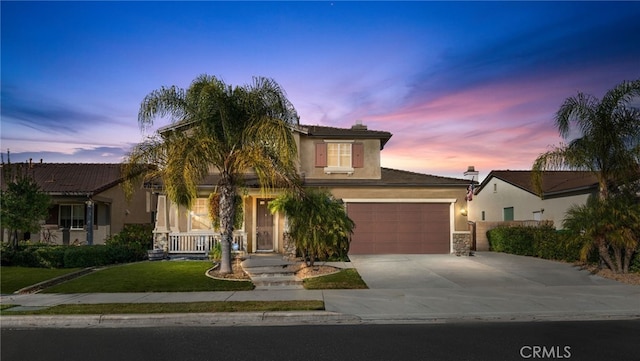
point(462, 243)
point(289, 247)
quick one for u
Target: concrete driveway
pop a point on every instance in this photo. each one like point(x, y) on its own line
point(487, 286)
point(484, 269)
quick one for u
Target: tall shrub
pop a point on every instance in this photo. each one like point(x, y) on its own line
point(318, 223)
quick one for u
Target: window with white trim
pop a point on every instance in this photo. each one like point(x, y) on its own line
point(199, 216)
point(339, 155)
point(71, 216)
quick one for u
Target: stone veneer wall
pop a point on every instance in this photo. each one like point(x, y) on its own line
point(289, 247)
point(462, 243)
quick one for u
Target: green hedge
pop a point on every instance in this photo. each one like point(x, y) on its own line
point(48, 256)
point(130, 245)
point(33, 255)
point(544, 242)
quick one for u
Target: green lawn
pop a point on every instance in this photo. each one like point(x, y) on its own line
point(157, 276)
point(181, 307)
point(15, 278)
point(346, 279)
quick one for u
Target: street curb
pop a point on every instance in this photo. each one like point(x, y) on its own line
point(178, 320)
point(500, 317)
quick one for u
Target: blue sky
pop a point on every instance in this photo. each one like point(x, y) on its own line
point(457, 83)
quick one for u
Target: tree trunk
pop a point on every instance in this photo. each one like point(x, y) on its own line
point(617, 253)
point(227, 215)
point(603, 251)
point(628, 253)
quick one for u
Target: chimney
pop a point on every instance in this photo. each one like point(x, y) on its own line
point(359, 126)
point(471, 171)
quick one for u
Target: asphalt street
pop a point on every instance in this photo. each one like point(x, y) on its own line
point(572, 340)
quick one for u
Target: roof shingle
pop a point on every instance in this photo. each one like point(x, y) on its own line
point(73, 178)
point(553, 182)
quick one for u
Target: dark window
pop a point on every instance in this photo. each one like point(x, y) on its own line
point(508, 214)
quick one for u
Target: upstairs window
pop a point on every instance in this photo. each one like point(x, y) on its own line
point(337, 156)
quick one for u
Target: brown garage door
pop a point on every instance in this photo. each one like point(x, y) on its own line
point(397, 228)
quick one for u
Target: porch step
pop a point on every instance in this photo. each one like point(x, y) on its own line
point(267, 271)
point(278, 287)
point(271, 273)
point(277, 282)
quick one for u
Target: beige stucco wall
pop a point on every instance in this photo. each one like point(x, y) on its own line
point(524, 204)
point(371, 169)
point(133, 212)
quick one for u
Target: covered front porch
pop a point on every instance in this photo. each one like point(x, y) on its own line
point(182, 232)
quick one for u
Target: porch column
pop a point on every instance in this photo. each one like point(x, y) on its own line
point(161, 231)
point(89, 224)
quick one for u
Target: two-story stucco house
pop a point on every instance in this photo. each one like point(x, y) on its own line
point(394, 211)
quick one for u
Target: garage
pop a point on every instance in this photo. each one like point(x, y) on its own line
point(400, 228)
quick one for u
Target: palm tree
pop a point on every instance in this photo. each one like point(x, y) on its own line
point(233, 130)
point(318, 223)
point(609, 141)
point(608, 146)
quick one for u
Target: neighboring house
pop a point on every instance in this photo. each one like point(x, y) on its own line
point(394, 211)
point(88, 202)
point(508, 195)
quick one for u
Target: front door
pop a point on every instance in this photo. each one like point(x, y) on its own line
point(264, 226)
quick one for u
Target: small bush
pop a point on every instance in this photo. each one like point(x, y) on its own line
point(138, 236)
point(131, 244)
point(215, 253)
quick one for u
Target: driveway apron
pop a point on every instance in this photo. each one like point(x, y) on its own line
point(485, 286)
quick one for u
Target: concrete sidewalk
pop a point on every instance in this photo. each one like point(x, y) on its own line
point(403, 289)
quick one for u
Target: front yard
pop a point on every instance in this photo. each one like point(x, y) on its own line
point(13, 279)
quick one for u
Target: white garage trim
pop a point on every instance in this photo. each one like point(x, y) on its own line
point(451, 201)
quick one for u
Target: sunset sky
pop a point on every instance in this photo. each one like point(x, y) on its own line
point(456, 83)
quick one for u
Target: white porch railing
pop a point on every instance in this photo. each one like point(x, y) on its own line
point(203, 242)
